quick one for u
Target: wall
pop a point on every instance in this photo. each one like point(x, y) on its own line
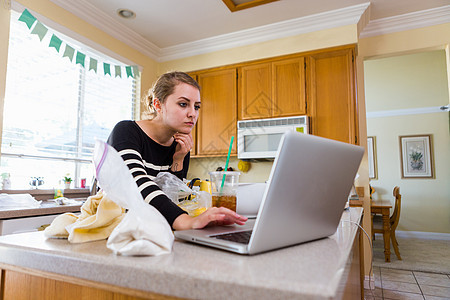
point(400, 83)
point(4, 36)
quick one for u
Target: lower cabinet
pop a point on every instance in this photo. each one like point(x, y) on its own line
point(23, 286)
point(27, 224)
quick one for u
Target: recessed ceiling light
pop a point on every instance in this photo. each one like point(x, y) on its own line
point(126, 13)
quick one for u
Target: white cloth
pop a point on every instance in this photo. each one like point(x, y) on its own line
point(143, 231)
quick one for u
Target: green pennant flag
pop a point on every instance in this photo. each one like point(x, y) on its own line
point(40, 30)
point(93, 64)
point(129, 71)
point(118, 71)
point(80, 58)
point(27, 18)
point(135, 71)
point(107, 69)
point(55, 42)
point(69, 52)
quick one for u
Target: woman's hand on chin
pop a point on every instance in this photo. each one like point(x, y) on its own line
point(211, 217)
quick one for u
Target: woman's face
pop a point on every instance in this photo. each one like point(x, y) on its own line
point(180, 110)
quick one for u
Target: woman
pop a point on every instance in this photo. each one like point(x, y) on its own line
point(162, 143)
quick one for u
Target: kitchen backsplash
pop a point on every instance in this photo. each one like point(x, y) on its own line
point(200, 168)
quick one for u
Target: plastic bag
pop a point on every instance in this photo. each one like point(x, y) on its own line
point(143, 230)
point(18, 200)
point(193, 202)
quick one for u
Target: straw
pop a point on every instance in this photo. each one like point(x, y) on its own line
point(226, 164)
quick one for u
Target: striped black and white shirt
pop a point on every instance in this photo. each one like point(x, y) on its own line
point(146, 158)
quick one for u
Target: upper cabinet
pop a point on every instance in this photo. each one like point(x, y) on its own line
point(217, 120)
point(320, 84)
point(331, 93)
point(272, 89)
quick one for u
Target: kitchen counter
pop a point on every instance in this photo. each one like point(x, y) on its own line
point(46, 208)
point(317, 270)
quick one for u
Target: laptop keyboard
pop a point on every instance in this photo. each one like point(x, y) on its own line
point(242, 237)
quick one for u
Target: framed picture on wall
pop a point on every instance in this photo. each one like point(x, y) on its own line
point(416, 156)
point(372, 156)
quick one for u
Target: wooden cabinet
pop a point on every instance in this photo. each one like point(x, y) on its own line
point(218, 113)
point(320, 84)
point(331, 93)
point(272, 89)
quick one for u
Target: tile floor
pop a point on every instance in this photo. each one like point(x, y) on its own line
point(401, 284)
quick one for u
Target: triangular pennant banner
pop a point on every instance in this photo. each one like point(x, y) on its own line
point(80, 58)
point(93, 64)
point(135, 71)
point(55, 42)
point(106, 69)
point(40, 30)
point(129, 71)
point(27, 18)
point(69, 52)
point(118, 71)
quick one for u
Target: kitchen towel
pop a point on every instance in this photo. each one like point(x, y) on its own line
point(99, 216)
point(143, 230)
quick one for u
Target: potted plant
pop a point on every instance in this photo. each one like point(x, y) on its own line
point(67, 181)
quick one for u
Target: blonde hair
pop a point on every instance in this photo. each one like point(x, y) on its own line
point(164, 87)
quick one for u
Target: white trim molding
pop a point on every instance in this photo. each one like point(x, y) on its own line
point(89, 13)
point(423, 235)
point(327, 20)
point(403, 112)
point(331, 19)
point(414, 20)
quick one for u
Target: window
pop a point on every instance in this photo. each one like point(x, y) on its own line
point(55, 109)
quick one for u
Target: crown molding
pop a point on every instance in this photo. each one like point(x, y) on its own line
point(331, 19)
point(91, 14)
point(414, 20)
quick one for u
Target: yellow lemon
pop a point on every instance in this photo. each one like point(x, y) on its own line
point(198, 211)
point(244, 166)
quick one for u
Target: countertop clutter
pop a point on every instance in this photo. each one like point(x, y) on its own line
point(315, 270)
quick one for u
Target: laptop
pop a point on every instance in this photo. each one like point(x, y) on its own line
point(305, 196)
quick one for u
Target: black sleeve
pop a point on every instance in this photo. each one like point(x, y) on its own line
point(126, 141)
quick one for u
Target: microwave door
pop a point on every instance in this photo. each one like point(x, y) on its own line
point(260, 143)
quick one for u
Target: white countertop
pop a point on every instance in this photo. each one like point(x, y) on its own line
point(313, 270)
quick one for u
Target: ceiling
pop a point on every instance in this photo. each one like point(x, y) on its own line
point(162, 26)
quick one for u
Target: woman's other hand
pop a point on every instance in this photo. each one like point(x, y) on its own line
point(211, 217)
point(184, 145)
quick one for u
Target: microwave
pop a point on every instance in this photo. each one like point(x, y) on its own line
point(260, 138)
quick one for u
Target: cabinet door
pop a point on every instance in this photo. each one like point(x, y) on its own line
point(194, 130)
point(332, 87)
point(218, 115)
point(289, 84)
point(255, 90)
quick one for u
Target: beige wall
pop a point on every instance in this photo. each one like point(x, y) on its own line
point(410, 82)
point(304, 42)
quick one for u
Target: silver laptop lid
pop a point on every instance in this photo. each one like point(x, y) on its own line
point(306, 192)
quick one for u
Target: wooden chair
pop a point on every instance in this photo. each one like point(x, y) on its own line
point(377, 223)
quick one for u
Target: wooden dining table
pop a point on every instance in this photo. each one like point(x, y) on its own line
point(383, 208)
